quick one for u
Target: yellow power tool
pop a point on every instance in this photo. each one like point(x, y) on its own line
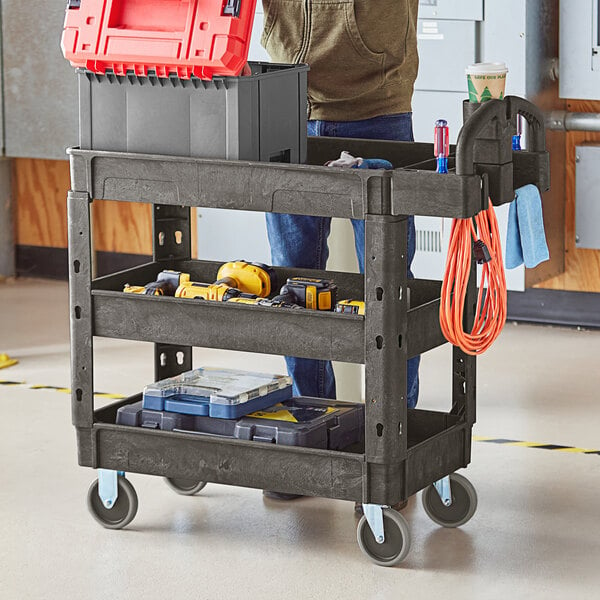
point(353, 307)
point(235, 279)
point(165, 285)
point(239, 278)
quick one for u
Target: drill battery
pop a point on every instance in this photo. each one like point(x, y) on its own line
point(316, 294)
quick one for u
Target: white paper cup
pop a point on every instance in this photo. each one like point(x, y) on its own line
point(486, 81)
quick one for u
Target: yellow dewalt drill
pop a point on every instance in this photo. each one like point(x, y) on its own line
point(166, 284)
point(235, 279)
point(239, 278)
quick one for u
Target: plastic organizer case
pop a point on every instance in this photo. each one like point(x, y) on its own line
point(181, 37)
point(220, 393)
point(306, 422)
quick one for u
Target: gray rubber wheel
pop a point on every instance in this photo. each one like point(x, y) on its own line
point(185, 487)
point(463, 507)
point(397, 539)
point(123, 510)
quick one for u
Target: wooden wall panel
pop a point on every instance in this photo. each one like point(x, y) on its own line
point(40, 188)
point(41, 212)
point(582, 266)
point(122, 227)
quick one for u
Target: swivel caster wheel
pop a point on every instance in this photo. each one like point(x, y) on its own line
point(462, 508)
point(121, 513)
point(396, 545)
point(185, 487)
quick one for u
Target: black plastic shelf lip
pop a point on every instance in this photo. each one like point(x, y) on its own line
point(304, 333)
point(428, 193)
point(424, 331)
point(531, 167)
point(423, 291)
point(307, 471)
point(240, 185)
point(291, 469)
point(437, 456)
point(308, 334)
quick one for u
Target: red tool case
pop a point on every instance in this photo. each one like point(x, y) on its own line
point(181, 37)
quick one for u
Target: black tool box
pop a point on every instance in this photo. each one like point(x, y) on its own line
point(306, 422)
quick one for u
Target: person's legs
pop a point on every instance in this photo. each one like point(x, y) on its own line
point(301, 241)
point(389, 127)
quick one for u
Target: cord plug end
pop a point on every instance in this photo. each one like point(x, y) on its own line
point(481, 252)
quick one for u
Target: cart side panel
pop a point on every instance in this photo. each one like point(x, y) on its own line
point(80, 305)
point(272, 187)
point(437, 457)
point(386, 326)
point(309, 334)
point(250, 464)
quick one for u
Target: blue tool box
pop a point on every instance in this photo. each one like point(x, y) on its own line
point(306, 422)
point(214, 392)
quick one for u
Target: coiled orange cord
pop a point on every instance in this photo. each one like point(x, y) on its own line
point(490, 313)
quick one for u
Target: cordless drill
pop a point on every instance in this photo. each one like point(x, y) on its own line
point(166, 284)
point(316, 294)
point(248, 277)
point(235, 279)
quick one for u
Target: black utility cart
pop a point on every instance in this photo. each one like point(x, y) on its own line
point(404, 450)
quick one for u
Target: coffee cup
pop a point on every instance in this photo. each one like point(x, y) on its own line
point(486, 81)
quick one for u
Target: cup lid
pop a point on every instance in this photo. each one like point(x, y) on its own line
point(489, 67)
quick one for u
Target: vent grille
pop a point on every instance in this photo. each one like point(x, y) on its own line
point(429, 241)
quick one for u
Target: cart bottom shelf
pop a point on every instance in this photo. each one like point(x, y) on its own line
point(438, 444)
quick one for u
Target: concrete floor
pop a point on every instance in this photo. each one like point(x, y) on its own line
point(536, 533)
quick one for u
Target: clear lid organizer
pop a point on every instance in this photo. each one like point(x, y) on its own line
point(218, 386)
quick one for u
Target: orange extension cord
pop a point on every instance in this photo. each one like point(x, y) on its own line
point(490, 314)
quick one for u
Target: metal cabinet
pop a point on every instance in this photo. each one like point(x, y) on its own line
point(580, 49)
point(453, 34)
point(470, 10)
point(587, 206)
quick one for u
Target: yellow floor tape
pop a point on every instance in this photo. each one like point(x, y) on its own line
point(538, 445)
point(476, 438)
point(7, 361)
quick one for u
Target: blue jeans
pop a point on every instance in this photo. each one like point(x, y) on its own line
point(301, 241)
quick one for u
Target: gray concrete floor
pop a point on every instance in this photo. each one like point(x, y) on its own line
point(536, 533)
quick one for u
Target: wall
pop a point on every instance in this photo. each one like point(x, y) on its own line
point(40, 188)
point(41, 212)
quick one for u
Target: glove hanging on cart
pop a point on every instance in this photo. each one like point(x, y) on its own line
point(347, 160)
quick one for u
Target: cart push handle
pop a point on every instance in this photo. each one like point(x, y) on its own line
point(534, 117)
point(502, 111)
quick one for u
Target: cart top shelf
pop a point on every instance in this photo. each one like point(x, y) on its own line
point(480, 167)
